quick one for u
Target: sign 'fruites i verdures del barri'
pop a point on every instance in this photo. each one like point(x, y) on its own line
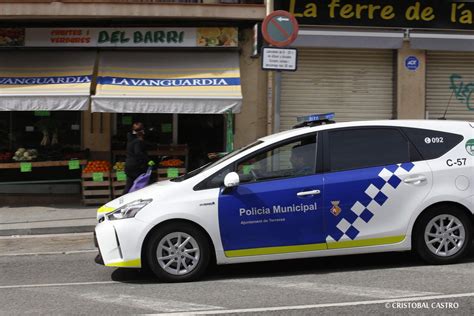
point(438, 14)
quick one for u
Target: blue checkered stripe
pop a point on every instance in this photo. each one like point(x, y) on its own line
point(378, 191)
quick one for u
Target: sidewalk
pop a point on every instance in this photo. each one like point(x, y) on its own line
point(36, 220)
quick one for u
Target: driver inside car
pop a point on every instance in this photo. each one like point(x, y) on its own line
point(302, 159)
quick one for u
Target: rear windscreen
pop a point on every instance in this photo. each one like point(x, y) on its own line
point(431, 143)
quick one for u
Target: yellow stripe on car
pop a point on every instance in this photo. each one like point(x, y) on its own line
point(104, 209)
point(314, 247)
point(136, 263)
point(274, 250)
point(365, 242)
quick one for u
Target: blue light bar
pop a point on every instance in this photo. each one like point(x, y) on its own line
point(316, 117)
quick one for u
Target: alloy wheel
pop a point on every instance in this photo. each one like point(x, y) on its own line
point(178, 253)
point(445, 235)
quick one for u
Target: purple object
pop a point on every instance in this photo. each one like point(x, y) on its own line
point(142, 181)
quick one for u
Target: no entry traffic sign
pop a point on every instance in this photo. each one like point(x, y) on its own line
point(280, 28)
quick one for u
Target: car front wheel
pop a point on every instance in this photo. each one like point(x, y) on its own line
point(443, 235)
point(178, 253)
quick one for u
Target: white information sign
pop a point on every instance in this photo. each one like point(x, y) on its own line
point(279, 58)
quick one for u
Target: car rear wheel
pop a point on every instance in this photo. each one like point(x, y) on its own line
point(443, 235)
point(178, 253)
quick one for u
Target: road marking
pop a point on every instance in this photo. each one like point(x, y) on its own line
point(461, 268)
point(49, 220)
point(148, 303)
point(48, 253)
point(48, 236)
point(302, 307)
point(20, 286)
point(339, 289)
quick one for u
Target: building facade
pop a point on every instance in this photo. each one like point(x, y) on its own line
point(380, 60)
point(74, 75)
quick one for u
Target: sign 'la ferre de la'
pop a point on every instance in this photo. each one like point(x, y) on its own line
point(432, 14)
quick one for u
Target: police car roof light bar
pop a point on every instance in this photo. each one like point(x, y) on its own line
point(315, 119)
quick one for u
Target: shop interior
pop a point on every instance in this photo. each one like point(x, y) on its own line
point(49, 151)
point(56, 136)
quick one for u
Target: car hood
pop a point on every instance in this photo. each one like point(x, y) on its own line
point(153, 191)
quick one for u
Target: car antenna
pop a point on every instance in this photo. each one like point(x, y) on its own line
point(447, 107)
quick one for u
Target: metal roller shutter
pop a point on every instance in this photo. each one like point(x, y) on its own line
point(440, 66)
point(356, 84)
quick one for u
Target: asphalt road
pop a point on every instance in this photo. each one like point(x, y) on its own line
point(67, 281)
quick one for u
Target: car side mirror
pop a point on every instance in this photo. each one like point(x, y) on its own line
point(231, 180)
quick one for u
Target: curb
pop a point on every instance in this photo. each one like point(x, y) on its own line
point(48, 230)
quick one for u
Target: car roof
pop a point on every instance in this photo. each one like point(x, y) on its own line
point(428, 124)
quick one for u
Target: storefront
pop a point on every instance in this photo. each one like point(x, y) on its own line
point(450, 84)
point(368, 60)
point(357, 84)
point(72, 94)
point(42, 96)
point(182, 97)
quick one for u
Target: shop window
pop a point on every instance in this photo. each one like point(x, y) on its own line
point(5, 132)
point(158, 129)
point(27, 136)
point(203, 133)
point(51, 131)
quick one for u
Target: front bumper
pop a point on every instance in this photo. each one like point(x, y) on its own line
point(120, 242)
point(98, 259)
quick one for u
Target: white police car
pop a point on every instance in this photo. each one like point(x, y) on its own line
point(332, 189)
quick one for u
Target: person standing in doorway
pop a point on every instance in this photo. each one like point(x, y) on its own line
point(137, 158)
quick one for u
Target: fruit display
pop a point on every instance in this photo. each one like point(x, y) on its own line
point(97, 166)
point(119, 166)
point(12, 37)
point(171, 163)
point(6, 156)
point(23, 154)
point(217, 36)
point(42, 154)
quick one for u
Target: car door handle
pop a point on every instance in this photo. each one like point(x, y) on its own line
point(415, 180)
point(306, 193)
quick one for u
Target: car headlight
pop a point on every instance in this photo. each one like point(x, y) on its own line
point(128, 210)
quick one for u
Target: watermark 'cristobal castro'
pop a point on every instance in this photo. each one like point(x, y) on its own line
point(422, 305)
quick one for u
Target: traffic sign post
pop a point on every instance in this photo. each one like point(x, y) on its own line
point(279, 29)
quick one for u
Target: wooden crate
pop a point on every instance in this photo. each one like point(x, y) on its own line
point(95, 192)
point(163, 173)
point(37, 164)
point(117, 186)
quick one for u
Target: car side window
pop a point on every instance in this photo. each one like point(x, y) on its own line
point(366, 147)
point(432, 144)
point(291, 159)
point(216, 180)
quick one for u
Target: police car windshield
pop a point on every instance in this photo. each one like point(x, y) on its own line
point(215, 163)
